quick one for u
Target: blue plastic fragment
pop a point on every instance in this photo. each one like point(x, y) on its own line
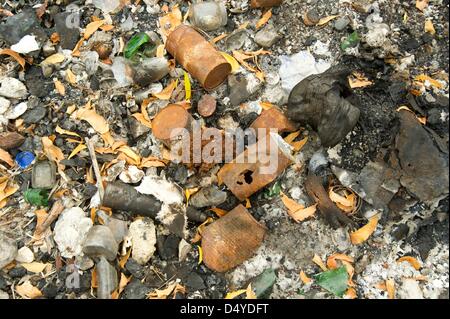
point(24, 159)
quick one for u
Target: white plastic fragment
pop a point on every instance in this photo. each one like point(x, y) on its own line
point(26, 45)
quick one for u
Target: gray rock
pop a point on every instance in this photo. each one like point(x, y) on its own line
point(275, 94)
point(150, 70)
point(135, 269)
point(424, 168)
point(143, 237)
point(194, 282)
point(135, 290)
point(434, 116)
point(137, 129)
point(20, 25)
point(68, 32)
point(341, 23)
point(35, 115)
point(236, 40)
point(208, 15)
point(319, 101)
point(262, 284)
point(267, 36)
point(317, 162)
point(380, 184)
point(84, 263)
point(208, 196)
point(12, 88)
point(8, 250)
point(238, 89)
point(36, 83)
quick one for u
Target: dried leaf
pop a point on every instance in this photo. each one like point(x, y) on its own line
point(55, 38)
point(151, 161)
point(54, 59)
point(351, 294)
point(167, 92)
point(187, 86)
point(70, 77)
point(219, 212)
point(264, 19)
point(304, 278)
point(35, 267)
point(318, 261)
point(163, 293)
point(325, 20)
point(266, 105)
point(66, 132)
point(291, 137)
point(411, 260)
point(52, 152)
point(358, 80)
point(429, 27)
point(422, 4)
point(60, 87)
point(94, 281)
point(297, 146)
point(16, 56)
point(425, 78)
point(390, 287)
point(122, 284)
point(95, 120)
point(130, 153)
point(362, 234)
point(92, 27)
point(218, 38)
point(296, 211)
point(107, 27)
point(232, 61)
point(200, 255)
point(198, 234)
point(331, 261)
point(338, 199)
point(124, 259)
point(170, 21)
point(77, 150)
point(234, 294)
point(28, 291)
point(250, 294)
point(6, 157)
point(141, 118)
point(76, 51)
point(248, 204)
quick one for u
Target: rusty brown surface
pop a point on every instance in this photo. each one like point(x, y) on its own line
point(333, 215)
point(265, 3)
point(273, 118)
point(231, 240)
point(244, 176)
point(169, 120)
point(198, 56)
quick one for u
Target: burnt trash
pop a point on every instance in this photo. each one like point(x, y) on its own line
point(322, 102)
point(121, 196)
point(198, 57)
point(231, 240)
point(329, 210)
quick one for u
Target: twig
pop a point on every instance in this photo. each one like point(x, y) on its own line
point(55, 211)
point(98, 176)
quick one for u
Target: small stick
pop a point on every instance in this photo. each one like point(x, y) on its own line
point(55, 211)
point(98, 176)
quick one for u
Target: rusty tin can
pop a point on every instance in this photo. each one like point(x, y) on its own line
point(231, 240)
point(265, 3)
point(198, 56)
point(259, 165)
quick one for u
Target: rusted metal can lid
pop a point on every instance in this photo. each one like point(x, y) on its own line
point(170, 119)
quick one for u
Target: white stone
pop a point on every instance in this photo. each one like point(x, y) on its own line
point(183, 250)
point(12, 88)
point(132, 175)
point(24, 255)
point(71, 230)
point(163, 190)
point(4, 105)
point(143, 238)
point(410, 289)
point(16, 111)
point(8, 250)
point(3, 295)
point(26, 45)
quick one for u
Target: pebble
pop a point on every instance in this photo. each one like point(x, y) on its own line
point(267, 36)
point(69, 34)
point(208, 196)
point(12, 88)
point(311, 17)
point(194, 282)
point(184, 248)
point(132, 175)
point(3, 295)
point(4, 105)
point(20, 25)
point(26, 45)
point(143, 237)
point(8, 250)
point(207, 105)
point(135, 269)
point(10, 140)
point(36, 83)
point(135, 290)
point(150, 70)
point(238, 89)
point(24, 255)
point(70, 231)
point(434, 116)
point(236, 40)
point(17, 272)
point(168, 247)
point(35, 115)
point(16, 111)
point(208, 15)
point(84, 263)
point(341, 23)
